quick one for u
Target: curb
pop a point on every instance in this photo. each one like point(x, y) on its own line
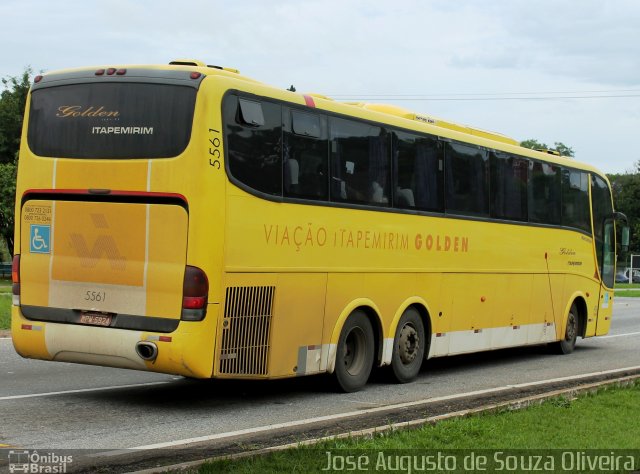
point(515, 404)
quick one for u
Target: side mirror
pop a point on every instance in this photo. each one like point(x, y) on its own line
point(624, 244)
point(620, 217)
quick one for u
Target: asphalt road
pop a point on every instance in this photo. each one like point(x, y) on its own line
point(46, 405)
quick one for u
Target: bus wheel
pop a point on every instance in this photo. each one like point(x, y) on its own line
point(568, 343)
point(408, 347)
point(354, 358)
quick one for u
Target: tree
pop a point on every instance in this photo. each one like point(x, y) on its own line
point(7, 203)
point(12, 103)
point(560, 147)
point(626, 198)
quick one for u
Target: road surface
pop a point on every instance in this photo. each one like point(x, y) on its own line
point(45, 405)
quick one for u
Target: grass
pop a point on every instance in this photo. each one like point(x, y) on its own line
point(623, 286)
point(631, 290)
point(629, 293)
point(5, 311)
point(605, 420)
point(5, 304)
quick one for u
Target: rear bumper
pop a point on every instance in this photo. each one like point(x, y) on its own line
point(187, 351)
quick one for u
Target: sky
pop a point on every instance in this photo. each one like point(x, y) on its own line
point(553, 70)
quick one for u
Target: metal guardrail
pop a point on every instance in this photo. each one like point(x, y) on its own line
point(5, 270)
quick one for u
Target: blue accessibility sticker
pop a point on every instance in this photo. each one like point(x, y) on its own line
point(40, 239)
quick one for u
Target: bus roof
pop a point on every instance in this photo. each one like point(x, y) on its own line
point(387, 113)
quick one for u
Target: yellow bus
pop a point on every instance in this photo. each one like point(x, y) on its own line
point(188, 220)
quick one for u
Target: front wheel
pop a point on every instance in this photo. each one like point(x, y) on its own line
point(568, 343)
point(354, 357)
point(409, 346)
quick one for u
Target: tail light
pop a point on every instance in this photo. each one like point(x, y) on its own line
point(15, 279)
point(195, 293)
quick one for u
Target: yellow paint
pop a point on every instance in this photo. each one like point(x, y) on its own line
point(28, 343)
point(99, 242)
point(104, 174)
point(167, 254)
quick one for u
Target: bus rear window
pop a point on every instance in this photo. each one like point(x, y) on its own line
point(107, 120)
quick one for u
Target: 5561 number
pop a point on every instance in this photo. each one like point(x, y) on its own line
point(214, 148)
point(97, 296)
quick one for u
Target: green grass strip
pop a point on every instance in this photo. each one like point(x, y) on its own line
point(628, 293)
point(5, 311)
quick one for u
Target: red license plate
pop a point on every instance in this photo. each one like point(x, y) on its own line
point(95, 319)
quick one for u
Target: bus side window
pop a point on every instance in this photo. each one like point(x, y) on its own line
point(418, 165)
point(544, 193)
point(508, 186)
point(306, 156)
point(254, 143)
point(575, 200)
point(360, 163)
point(250, 113)
point(467, 180)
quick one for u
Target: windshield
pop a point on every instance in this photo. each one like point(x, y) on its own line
point(107, 120)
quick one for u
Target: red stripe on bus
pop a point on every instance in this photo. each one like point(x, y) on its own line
point(309, 100)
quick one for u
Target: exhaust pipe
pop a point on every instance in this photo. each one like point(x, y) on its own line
point(147, 350)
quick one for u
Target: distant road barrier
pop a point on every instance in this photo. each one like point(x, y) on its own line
point(5, 270)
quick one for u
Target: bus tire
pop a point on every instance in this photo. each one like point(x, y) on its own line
point(408, 347)
point(355, 353)
point(568, 342)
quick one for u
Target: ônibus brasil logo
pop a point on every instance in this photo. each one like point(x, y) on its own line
point(32, 462)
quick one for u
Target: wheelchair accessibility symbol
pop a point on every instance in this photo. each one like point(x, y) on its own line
point(40, 239)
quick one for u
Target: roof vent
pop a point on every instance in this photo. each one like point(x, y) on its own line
point(187, 62)
point(550, 152)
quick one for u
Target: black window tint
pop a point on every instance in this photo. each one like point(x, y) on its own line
point(508, 186)
point(467, 180)
point(359, 163)
point(306, 156)
point(602, 210)
point(305, 124)
point(544, 193)
point(575, 200)
point(419, 168)
point(250, 113)
point(111, 120)
point(255, 151)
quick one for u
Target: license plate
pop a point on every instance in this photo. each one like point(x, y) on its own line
point(95, 319)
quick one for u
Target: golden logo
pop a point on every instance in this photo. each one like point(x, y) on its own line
point(73, 111)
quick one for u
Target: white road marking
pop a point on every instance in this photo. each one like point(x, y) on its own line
point(81, 390)
point(618, 335)
point(290, 424)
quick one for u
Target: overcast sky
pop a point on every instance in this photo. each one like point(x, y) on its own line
point(553, 70)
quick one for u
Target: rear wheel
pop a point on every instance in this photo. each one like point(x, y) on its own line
point(568, 343)
point(408, 347)
point(354, 357)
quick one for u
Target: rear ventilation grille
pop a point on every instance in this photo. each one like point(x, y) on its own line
point(245, 330)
